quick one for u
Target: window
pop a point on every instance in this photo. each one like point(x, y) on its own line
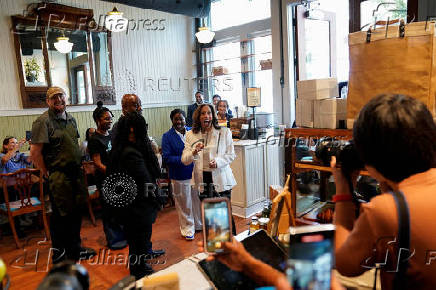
point(374, 10)
point(232, 67)
point(263, 72)
point(243, 59)
point(323, 40)
point(227, 13)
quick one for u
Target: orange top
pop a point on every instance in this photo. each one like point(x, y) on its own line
point(374, 232)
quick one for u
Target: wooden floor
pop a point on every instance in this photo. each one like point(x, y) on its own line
point(27, 267)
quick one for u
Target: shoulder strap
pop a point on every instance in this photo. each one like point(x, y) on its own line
point(403, 239)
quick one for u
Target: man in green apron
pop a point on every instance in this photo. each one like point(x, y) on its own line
point(56, 152)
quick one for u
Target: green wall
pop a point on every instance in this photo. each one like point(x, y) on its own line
point(158, 120)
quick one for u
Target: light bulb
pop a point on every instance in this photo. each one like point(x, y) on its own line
point(63, 45)
point(115, 21)
point(204, 35)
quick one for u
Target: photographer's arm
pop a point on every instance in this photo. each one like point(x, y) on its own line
point(354, 239)
point(238, 259)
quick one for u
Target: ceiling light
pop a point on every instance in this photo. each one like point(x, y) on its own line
point(204, 35)
point(115, 21)
point(63, 45)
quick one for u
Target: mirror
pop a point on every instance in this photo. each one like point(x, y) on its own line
point(85, 73)
point(71, 71)
point(32, 58)
point(102, 70)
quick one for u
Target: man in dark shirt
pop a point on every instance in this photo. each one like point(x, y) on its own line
point(55, 151)
point(193, 107)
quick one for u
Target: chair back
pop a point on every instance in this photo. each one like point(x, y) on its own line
point(89, 167)
point(22, 181)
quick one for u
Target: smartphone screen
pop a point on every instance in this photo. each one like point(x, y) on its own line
point(216, 224)
point(311, 257)
point(28, 135)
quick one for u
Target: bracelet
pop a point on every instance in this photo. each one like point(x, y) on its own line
point(342, 197)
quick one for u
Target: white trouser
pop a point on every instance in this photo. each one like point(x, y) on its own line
point(188, 206)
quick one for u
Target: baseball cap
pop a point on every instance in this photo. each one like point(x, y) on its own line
point(54, 91)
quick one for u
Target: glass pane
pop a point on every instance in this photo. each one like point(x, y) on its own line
point(227, 56)
point(32, 57)
point(64, 67)
point(229, 88)
point(264, 82)
point(262, 50)
point(58, 64)
point(102, 72)
point(81, 93)
point(341, 10)
point(370, 11)
point(226, 51)
point(317, 45)
point(227, 13)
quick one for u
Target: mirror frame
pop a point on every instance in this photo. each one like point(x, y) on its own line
point(69, 18)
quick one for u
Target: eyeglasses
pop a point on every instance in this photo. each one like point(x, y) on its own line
point(56, 96)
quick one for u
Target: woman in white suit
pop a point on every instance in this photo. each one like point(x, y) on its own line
point(210, 147)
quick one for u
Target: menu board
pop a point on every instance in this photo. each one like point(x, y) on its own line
point(253, 97)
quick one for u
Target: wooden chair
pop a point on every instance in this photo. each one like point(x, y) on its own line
point(89, 168)
point(21, 181)
point(164, 182)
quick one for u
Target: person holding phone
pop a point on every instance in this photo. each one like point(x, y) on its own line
point(211, 149)
point(11, 157)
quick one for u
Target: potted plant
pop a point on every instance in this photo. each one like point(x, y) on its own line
point(32, 69)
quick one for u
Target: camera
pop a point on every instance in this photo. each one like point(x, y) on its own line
point(346, 155)
point(66, 276)
point(348, 159)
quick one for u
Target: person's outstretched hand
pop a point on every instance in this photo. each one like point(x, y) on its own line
point(235, 256)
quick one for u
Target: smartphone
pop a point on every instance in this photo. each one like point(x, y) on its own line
point(28, 135)
point(311, 256)
point(217, 224)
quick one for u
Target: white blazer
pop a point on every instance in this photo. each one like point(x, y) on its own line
point(221, 143)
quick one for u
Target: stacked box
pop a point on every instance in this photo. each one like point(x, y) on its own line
point(318, 89)
point(304, 113)
point(327, 113)
point(309, 92)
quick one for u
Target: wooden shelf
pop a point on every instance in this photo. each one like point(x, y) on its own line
point(236, 57)
point(299, 166)
point(239, 72)
point(310, 165)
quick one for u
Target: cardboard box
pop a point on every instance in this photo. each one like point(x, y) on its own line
point(329, 121)
point(265, 64)
point(304, 113)
point(318, 89)
point(327, 113)
point(219, 71)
